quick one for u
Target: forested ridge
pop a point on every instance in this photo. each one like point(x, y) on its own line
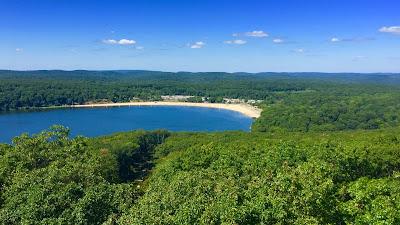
point(330, 111)
point(326, 150)
point(25, 89)
point(53, 88)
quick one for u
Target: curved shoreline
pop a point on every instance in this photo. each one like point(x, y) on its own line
point(244, 109)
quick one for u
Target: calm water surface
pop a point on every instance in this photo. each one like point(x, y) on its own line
point(101, 121)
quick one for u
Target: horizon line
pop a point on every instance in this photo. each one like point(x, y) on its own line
point(165, 71)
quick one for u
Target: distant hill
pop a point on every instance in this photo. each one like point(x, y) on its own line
point(375, 78)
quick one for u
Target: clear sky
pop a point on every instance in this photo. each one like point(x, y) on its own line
point(201, 35)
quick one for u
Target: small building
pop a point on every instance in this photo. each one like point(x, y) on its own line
point(175, 98)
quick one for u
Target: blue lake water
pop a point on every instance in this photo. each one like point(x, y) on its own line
point(101, 121)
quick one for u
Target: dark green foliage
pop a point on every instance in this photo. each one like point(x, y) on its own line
point(202, 178)
point(195, 99)
point(330, 111)
point(372, 201)
point(54, 88)
point(52, 179)
point(239, 178)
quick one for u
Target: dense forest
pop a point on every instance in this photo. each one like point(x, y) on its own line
point(326, 150)
point(348, 177)
point(53, 88)
point(24, 89)
point(329, 111)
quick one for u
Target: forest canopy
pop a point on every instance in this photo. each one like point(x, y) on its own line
point(202, 178)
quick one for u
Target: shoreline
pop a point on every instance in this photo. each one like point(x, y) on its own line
point(244, 109)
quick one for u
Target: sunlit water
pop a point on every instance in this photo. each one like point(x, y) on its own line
point(101, 121)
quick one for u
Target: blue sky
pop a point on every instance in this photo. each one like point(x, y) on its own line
point(207, 35)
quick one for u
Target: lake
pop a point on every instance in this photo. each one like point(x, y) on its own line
point(92, 122)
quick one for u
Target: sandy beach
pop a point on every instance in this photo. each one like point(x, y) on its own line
point(245, 109)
